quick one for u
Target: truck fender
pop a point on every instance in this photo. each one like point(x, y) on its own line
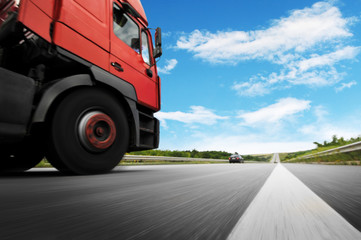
point(123, 87)
point(55, 89)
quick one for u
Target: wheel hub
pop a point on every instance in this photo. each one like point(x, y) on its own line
point(99, 131)
point(96, 131)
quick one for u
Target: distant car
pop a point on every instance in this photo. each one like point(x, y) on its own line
point(236, 158)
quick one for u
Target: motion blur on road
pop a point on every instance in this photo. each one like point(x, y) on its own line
point(203, 201)
point(338, 186)
point(141, 202)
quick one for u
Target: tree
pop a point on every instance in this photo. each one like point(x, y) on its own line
point(334, 140)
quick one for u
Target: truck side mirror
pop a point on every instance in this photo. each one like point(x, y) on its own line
point(158, 43)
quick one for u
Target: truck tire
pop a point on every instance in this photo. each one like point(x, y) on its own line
point(88, 133)
point(20, 157)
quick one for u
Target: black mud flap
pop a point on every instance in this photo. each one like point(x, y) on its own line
point(16, 101)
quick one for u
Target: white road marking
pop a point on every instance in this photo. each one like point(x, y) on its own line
point(285, 208)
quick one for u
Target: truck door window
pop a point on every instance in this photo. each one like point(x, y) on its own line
point(145, 48)
point(125, 28)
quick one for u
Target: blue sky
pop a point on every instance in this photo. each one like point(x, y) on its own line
point(258, 76)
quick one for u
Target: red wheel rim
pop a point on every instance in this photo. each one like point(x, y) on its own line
point(97, 131)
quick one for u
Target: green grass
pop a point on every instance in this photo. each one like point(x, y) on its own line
point(130, 163)
point(45, 164)
point(349, 158)
point(321, 147)
point(282, 156)
point(262, 157)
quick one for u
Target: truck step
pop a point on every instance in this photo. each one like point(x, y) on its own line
point(149, 131)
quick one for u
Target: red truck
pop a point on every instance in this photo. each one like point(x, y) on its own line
point(78, 83)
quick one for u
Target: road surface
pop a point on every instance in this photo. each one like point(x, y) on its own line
point(275, 158)
point(212, 201)
point(339, 186)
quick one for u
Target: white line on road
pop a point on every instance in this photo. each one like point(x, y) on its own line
point(285, 208)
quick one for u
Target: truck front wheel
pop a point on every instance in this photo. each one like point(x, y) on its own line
point(88, 133)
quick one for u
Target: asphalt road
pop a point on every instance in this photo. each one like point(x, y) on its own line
point(140, 202)
point(219, 201)
point(285, 208)
point(339, 186)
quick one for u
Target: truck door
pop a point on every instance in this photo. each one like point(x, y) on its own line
point(130, 55)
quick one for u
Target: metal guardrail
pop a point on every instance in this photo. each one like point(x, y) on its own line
point(169, 159)
point(347, 148)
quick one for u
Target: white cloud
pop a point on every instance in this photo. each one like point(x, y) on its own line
point(324, 131)
point(266, 130)
point(171, 64)
point(293, 76)
point(241, 143)
point(307, 45)
point(198, 114)
point(326, 125)
point(251, 89)
point(345, 85)
point(299, 32)
point(320, 113)
point(282, 109)
point(328, 59)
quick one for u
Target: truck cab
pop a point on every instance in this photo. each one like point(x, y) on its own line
point(78, 83)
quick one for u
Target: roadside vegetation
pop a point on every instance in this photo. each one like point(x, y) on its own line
point(152, 162)
point(44, 164)
point(186, 154)
point(349, 158)
point(200, 154)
